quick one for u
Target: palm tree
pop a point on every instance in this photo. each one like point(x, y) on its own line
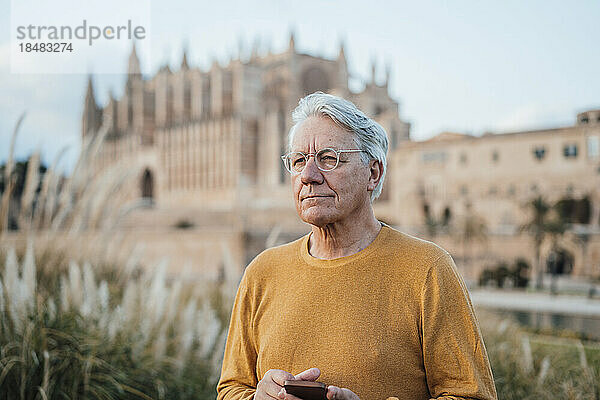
point(541, 225)
point(472, 228)
point(555, 228)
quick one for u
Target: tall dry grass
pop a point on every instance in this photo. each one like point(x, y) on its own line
point(532, 366)
point(86, 328)
point(86, 331)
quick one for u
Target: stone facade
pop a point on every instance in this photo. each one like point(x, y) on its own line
point(215, 137)
point(210, 143)
point(451, 177)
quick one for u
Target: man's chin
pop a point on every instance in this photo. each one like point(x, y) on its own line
point(316, 217)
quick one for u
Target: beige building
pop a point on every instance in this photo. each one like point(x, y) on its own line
point(210, 143)
point(452, 177)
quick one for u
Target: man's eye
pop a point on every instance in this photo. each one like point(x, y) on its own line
point(328, 159)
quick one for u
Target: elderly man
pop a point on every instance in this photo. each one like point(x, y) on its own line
point(370, 311)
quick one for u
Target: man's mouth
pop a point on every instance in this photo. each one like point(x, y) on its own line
point(312, 196)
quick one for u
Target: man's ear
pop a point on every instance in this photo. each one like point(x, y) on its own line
point(376, 170)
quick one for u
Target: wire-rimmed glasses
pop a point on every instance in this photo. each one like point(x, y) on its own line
point(326, 159)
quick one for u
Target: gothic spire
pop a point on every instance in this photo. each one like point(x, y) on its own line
point(292, 46)
point(90, 97)
point(184, 60)
point(342, 53)
point(91, 112)
point(134, 63)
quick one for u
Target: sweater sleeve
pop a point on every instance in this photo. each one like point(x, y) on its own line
point(238, 374)
point(454, 355)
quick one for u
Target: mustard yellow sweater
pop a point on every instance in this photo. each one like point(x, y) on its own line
point(393, 320)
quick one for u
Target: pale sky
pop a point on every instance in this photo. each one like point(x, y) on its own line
point(462, 66)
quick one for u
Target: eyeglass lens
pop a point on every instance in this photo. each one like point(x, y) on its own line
point(326, 160)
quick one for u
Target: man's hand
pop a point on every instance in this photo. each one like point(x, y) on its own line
point(336, 393)
point(333, 392)
point(271, 385)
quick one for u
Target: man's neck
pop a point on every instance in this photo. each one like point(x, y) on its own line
point(342, 239)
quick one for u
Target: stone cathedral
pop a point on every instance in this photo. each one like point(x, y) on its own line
point(209, 144)
point(213, 139)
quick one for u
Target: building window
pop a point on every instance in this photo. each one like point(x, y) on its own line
point(584, 120)
point(570, 150)
point(464, 190)
point(394, 137)
point(539, 152)
point(434, 156)
point(512, 190)
point(447, 216)
point(463, 158)
point(593, 146)
point(574, 211)
point(495, 156)
point(493, 191)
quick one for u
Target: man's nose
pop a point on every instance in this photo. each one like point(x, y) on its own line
point(311, 173)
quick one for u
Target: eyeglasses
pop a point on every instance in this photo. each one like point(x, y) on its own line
point(326, 159)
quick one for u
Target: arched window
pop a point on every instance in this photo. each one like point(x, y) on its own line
point(447, 216)
point(147, 185)
point(560, 262)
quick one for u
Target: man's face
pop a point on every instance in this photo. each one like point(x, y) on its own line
point(326, 197)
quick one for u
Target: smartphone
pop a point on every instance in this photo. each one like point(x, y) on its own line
point(306, 390)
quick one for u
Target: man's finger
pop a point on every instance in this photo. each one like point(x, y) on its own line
point(332, 392)
point(286, 396)
point(336, 393)
point(280, 376)
point(310, 374)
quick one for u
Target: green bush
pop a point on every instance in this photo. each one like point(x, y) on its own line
point(500, 275)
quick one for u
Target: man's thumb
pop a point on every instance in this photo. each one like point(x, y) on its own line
point(310, 374)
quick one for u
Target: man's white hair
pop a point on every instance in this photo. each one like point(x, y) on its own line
point(369, 136)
